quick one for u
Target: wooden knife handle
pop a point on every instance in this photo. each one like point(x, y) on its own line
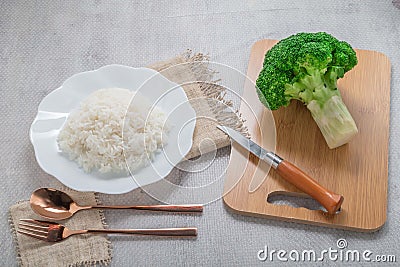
point(331, 201)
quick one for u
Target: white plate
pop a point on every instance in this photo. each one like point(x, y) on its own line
point(55, 108)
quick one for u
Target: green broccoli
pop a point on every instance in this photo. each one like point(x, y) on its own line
point(306, 67)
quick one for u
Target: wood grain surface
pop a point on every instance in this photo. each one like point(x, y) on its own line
point(357, 170)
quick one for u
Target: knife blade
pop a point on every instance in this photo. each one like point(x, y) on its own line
point(268, 156)
point(329, 200)
point(271, 159)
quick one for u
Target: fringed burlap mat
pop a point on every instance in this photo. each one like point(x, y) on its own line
point(74, 251)
point(206, 96)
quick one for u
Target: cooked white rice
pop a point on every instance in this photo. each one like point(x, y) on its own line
point(93, 137)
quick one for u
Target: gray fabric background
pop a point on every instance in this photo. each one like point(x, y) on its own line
point(44, 42)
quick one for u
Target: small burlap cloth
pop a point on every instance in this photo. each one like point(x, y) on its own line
point(206, 96)
point(74, 251)
point(192, 72)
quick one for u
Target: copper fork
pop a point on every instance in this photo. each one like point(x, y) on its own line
point(54, 232)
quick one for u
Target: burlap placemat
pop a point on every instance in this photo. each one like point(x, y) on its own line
point(206, 96)
point(74, 251)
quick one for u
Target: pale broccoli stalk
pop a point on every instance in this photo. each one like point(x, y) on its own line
point(306, 67)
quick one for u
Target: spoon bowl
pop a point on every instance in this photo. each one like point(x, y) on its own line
point(53, 204)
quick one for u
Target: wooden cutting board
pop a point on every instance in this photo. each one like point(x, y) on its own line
point(358, 170)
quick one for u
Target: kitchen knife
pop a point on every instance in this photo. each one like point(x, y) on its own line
point(329, 200)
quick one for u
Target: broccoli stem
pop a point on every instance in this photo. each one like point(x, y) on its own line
point(318, 90)
point(334, 120)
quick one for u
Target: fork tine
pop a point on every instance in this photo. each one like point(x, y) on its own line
point(33, 230)
point(32, 235)
point(36, 222)
point(38, 227)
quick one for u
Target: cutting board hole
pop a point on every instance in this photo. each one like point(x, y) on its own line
point(287, 199)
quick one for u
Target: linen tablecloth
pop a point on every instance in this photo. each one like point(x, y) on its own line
point(44, 42)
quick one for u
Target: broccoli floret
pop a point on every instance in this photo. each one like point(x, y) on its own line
point(306, 67)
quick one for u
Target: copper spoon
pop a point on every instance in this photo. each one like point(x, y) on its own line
point(57, 205)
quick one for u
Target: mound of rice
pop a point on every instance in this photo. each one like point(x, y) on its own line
point(93, 136)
